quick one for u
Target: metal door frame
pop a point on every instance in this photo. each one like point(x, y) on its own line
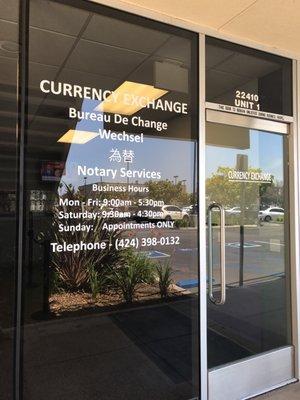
point(225, 118)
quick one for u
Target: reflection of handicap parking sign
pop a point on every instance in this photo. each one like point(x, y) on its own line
point(155, 254)
point(247, 245)
point(187, 283)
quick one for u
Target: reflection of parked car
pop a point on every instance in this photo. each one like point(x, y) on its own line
point(174, 213)
point(194, 209)
point(187, 209)
point(167, 213)
point(270, 213)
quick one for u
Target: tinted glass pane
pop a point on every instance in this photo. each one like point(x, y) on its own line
point(247, 78)
point(112, 139)
point(252, 186)
point(8, 119)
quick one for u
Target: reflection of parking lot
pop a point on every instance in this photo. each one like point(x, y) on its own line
point(183, 257)
point(263, 252)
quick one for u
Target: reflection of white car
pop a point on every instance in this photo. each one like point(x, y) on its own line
point(187, 209)
point(233, 210)
point(173, 213)
point(271, 213)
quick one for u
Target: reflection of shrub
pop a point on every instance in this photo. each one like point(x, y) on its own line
point(73, 268)
point(136, 269)
point(182, 223)
point(56, 284)
point(96, 281)
point(280, 220)
point(164, 273)
point(235, 219)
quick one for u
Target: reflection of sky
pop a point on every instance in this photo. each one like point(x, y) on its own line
point(169, 156)
point(266, 153)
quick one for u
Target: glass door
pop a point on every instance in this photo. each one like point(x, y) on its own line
point(248, 307)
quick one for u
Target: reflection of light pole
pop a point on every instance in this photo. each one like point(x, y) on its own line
point(242, 165)
point(85, 178)
point(183, 183)
point(175, 179)
point(127, 164)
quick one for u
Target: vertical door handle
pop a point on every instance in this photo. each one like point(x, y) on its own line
point(222, 299)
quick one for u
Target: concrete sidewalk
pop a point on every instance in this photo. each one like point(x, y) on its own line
point(289, 392)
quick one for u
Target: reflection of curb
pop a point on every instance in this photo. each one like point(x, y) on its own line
point(237, 226)
point(273, 223)
point(185, 228)
point(179, 289)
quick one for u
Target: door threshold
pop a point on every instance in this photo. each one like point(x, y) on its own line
point(252, 376)
point(273, 388)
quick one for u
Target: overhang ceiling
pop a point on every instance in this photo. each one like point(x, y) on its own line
point(273, 23)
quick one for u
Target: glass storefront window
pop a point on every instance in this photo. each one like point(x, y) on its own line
point(111, 288)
